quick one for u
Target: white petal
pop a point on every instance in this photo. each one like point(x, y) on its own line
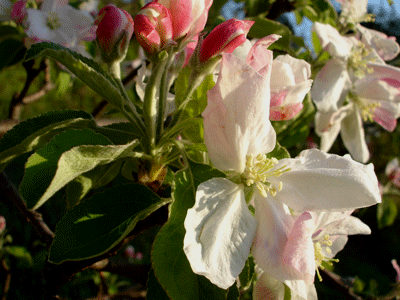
point(219, 232)
point(331, 40)
point(236, 119)
point(329, 84)
point(386, 47)
point(320, 181)
point(354, 138)
point(300, 68)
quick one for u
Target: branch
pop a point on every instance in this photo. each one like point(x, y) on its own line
point(337, 282)
point(20, 99)
point(13, 198)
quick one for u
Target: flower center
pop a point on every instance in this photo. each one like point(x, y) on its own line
point(53, 21)
point(358, 60)
point(320, 256)
point(367, 109)
point(258, 169)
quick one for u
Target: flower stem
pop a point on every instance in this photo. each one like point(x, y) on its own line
point(150, 105)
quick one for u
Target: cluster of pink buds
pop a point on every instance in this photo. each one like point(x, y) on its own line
point(164, 23)
point(2, 224)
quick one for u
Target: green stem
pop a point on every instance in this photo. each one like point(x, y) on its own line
point(195, 83)
point(115, 69)
point(164, 88)
point(150, 106)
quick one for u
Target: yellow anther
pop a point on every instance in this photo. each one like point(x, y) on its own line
point(320, 256)
point(53, 21)
point(367, 110)
point(258, 169)
point(358, 60)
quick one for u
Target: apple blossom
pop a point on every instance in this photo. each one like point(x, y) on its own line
point(393, 171)
point(289, 85)
point(298, 245)
point(238, 133)
point(58, 22)
point(224, 38)
point(153, 27)
point(114, 30)
point(188, 16)
point(351, 88)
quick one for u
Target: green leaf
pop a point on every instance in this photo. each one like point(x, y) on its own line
point(84, 68)
point(154, 288)
point(41, 166)
point(12, 51)
point(20, 253)
point(170, 264)
point(233, 293)
point(62, 83)
point(67, 156)
point(98, 177)
point(8, 31)
point(98, 224)
point(279, 152)
point(386, 211)
point(197, 104)
point(247, 275)
point(34, 133)
point(263, 27)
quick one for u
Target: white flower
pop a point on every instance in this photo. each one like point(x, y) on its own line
point(305, 243)
point(60, 23)
point(350, 89)
point(238, 133)
point(5, 10)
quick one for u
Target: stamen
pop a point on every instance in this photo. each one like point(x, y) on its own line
point(358, 60)
point(319, 255)
point(367, 110)
point(258, 169)
point(53, 21)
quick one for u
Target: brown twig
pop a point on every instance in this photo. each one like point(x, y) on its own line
point(337, 282)
point(12, 198)
point(8, 279)
point(20, 99)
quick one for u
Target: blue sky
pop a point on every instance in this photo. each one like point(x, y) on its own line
point(232, 10)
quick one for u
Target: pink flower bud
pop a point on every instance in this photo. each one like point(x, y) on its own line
point(115, 29)
point(18, 13)
point(153, 27)
point(2, 224)
point(224, 38)
point(130, 251)
point(188, 16)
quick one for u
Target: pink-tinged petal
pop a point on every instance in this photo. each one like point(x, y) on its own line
point(298, 254)
point(224, 38)
point(319, 181)
point(236, 118)
point(259, 57)
point(353, 136)
point(385, 119)
point(189, 49)
point(331, 40)
point(392, 166)
point(386, 47)
point(283, 113)
point(219, 232)
point(396, 268)
point(268, 288)
point(329, 84)
point(278, 98)
point(274, 224)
